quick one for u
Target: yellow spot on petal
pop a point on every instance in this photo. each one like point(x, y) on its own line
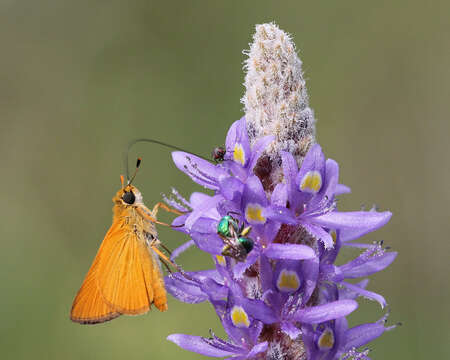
point(288, 281)
point(221, 260)
point(239, 317)
point(253, 214)
point(311, 182)
point(333, 236)
point(239, 154)
point(326, 340)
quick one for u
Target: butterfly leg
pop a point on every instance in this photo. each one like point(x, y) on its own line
point(162, 256)
point(165, 260)
point(165, 207)
point(167, 267)
point(168, 209)
point(165, 248)
point(151, 217)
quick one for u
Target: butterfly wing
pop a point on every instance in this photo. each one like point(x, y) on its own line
point(128, 276)
point(89, 306)
point(125, 278)
point(159, 290)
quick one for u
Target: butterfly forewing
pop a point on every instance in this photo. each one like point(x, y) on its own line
point(89, 306)
point(125, 274)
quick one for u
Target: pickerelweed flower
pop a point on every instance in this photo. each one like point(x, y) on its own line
point(273, 229)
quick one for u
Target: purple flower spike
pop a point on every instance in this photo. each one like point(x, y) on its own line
point(273, 230)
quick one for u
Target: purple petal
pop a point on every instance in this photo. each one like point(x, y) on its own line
point(366, 293)
point(197, 344)
point(361, 267)
point(255, 331)
point(346, 293)
point(239, 268)
point(206, 209)
point(318, 233)
point(259, 148)
point(266, 274)
point(290, 170)
point(231, 138)
point(340, 330)
point(270, 230)
point(362, 334)
point(210, 243)
point(308, 339)
point(259, 348)
point(328, 188)
point(332, 178)
point(213, 289)
point(342, 189)
point(237, 135)
point(190, 291)
point(175, 204)
point(313, 161)
point(231, 188)
point(291, 330)
point(179, 223)
point(289, 251)
point(197, 198)
point(198, 169)
point(236, 334)
point(254, 192)
point(279, 195)
point(259, 310)
point(280, 214)
point(204, 225)
point(310, 272)
point(185, 291)
point(293, 266)
point(326, 312)
point(358, 222)
point(180, 249)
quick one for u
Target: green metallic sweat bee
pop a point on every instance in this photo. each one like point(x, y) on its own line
point(237, 244)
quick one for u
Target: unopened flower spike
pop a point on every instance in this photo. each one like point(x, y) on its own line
point(273, 228)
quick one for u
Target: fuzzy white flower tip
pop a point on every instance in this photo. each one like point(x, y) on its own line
point(276, 101)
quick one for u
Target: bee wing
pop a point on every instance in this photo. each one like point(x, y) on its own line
point(126, 275)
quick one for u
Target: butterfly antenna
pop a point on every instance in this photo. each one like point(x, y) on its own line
point(138, 163)
point(153, 141)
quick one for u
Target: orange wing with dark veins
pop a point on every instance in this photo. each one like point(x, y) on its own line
point(124, 279)
point(89, 306)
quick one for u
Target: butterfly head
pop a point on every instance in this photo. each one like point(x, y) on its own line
point(128, 196)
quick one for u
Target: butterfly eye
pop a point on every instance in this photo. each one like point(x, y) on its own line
point(129, 197)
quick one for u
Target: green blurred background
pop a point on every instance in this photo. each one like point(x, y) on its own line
point(79, 79)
